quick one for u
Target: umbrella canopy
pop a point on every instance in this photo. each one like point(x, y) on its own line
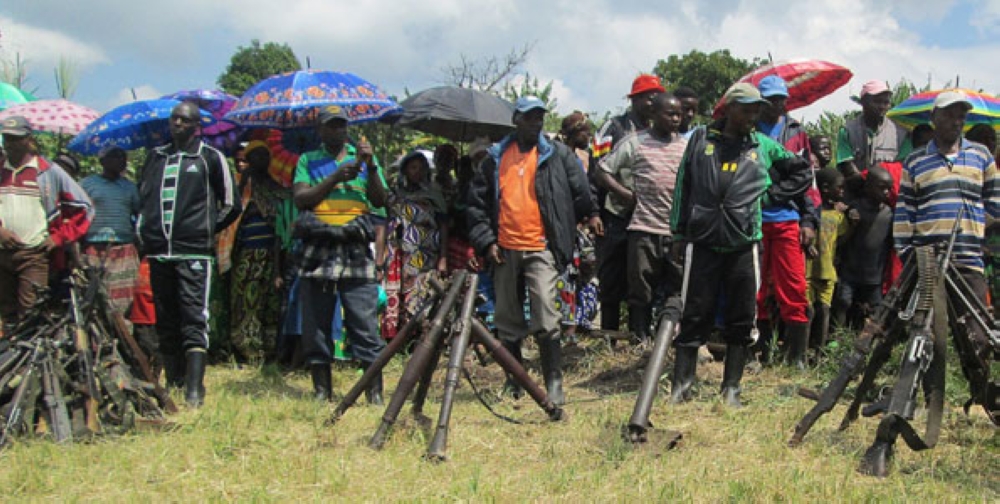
point(143, 123)
point(808, 80)
point(917, 109)
point(285, 148)
point(292, 100)
point(11, 95)
point(222, 135)
point(54, 116)
point(458, 114)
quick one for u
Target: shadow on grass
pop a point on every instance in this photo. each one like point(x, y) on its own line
point(268, 381)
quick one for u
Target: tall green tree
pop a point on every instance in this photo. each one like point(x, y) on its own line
point(708, 74)
point(249, 65)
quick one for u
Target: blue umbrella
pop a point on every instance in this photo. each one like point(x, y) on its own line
point(143, 123)
point(292, 100)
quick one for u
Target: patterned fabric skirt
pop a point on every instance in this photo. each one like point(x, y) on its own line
point(254, 304)
point(121, 269)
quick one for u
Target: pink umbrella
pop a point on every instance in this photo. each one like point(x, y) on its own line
point(54, 116)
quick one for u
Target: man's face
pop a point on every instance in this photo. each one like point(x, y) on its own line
point(642, 104)
point(833, 191)
point(667, 116)
point(948, 123)
point(115, 162)
point(689, 107)
point(16, 146)
point(742, 116)
point(529, 124)
point(184, 121)
point(774, 109)
point(333, 134)
point(824, 151)
point(874, 107)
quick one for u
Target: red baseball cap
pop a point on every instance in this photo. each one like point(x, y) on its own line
point(646, 83)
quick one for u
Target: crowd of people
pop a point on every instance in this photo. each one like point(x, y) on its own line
point(766, 237)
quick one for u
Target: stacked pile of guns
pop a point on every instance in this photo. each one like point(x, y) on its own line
point(66, 370)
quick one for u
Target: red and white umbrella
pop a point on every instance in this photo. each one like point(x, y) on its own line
point(54, 116)
point(808, 80)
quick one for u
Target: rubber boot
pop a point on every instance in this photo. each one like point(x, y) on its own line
point(685, 370)
point(550, 353)
point(819, 335)
point(798, 339)
point(173, 370)
point(322, 382)
point(732, 374)
point(374, 392)
point(639, 318)
point(764, 339)
point(511, 387)
point(194, 379)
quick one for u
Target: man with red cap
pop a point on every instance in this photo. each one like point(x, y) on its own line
point(869, 139)
point(616, 212)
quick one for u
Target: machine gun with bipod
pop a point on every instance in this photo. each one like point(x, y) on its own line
point(937, 298)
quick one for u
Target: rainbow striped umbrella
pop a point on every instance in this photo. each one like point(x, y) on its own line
point(917, 109)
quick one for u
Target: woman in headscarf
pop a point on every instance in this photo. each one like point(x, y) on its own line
point(256, 270)
point(417, 234)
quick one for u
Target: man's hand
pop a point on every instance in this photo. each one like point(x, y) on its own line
point(678, 249)
point(493, 254)
point(853, 215)
point(841, 207)
point(365, 151)
point(807, 236)
point(596, 225)
point(346, 172)
point(812, 252)
point(8, 239)
point(278, 282)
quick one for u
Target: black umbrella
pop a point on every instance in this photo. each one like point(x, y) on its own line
point(458, 114)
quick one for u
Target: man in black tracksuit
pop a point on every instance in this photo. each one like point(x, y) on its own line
point(729, 171)
point(187, 195)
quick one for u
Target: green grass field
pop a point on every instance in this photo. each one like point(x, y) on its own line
point(260, 437)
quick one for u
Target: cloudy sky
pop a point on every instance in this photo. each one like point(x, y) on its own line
point(590, 49)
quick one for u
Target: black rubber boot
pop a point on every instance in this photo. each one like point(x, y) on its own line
point(374, 392)
point(732, 374)
point(322, 382)
point(685, 370)
point(511, 387)
point(550, 353)
point(764, 340)
point(819, 334)
point(194, 379)
point(798, 340)
point(639, 318)
point(173, 369)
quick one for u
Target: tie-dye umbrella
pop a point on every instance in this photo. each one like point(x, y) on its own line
point(808, 80)
point(143, 123)
point(54, 116)
point(292, 100)
point(917, 109)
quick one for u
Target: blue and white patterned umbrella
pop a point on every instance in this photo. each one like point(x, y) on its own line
point(144, 123)
point(292, 100)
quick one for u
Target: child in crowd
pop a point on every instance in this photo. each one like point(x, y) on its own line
point(866, 251)
point(821, 272)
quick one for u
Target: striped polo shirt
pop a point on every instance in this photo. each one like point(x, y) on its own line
point(932, 189)
point(345, 201)
point(116, 204)
point(652, 163)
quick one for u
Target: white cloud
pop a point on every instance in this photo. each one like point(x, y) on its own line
point(45, 46)
point(141, 92)
point(590, 49)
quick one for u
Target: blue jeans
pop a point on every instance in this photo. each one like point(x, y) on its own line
point(318, 299)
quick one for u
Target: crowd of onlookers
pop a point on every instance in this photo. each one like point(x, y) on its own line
point(745, 229)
